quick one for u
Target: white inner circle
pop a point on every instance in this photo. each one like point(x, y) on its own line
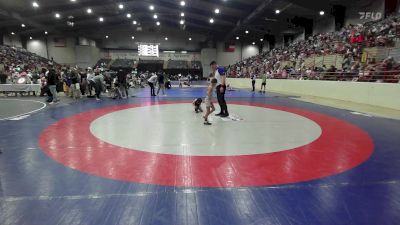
point(175, 129)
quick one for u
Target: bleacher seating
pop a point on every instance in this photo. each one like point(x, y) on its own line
point(150, 65)
point(18, 56)
point(350, 51)
point(124, 63)
point(177, 64)
point(195, 65)
point(101, 62)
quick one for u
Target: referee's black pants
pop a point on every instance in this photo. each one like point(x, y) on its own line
point(221, 100)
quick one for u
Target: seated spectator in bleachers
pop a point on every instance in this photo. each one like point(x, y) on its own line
point(3, 76)
point(349, 41)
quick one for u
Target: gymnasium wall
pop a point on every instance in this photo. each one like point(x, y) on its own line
point(266, 47)
point(12, 40)
point(279, 41)
point(242, 51)
point(133, 54)
point(299, 37)
point(37, 46)
point(76, 51)
point(324, 24)
point(375, 94)
point(87, 56)
point(62, 55)
point(177, 40)
point(207, 55)
point(249, 50)
point(228, 58)
point(353, 12)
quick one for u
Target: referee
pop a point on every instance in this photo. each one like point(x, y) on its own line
point(219, 74)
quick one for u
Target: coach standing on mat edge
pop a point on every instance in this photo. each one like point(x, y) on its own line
point(219, 74)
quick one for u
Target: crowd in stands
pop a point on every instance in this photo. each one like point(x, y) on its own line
point(145, 65)
point(16, 63)
point(349, 42)
point(104, 63)
point(73, 81)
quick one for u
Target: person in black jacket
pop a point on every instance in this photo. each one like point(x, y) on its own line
point(122, 83)
point(161, 83)
point(75, 85)
point(52, 80)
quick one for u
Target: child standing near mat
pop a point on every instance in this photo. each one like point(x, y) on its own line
point(208, 101)
point(264, 82)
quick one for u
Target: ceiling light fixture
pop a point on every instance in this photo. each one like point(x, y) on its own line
point(12, 33)
point(211, 20)
point(121, 6)
point(158, 23)
point(190, 39)
point(133, 37)
point(321, 13)
point(166, 38)
point(261, 40)
point(134, 22)
point(57, 15)
point(182, 22)
point(237, 38)
point(155, 16)
point(30, 38)
point(45, 32)
point(128, 15)
point(22, 25)
point(106, 36)
point(183, 3)
point(151, 7)
point(101, 19)
point(73, 0)
point(277, 11)
point(246, 31)
point(89, 11)
point(182, 14)
point(254, 43)
point(216, 11)
point(35, 5)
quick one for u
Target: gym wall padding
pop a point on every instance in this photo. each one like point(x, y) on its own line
point(376, 94)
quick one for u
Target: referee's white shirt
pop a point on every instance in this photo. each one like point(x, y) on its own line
point(218, 77)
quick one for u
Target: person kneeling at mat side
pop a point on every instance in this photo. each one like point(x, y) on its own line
point(197, 105)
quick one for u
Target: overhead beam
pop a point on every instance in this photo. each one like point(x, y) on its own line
point(261, 8)
point(19, 18)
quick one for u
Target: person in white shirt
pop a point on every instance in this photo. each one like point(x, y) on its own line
point(91, 84)
point(180, 80)
point(219, 74)
point(152, 82)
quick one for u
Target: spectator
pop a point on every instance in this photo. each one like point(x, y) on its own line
point(98, 81)
point(75, 85)
point(122, 83)
point(152, 82)
point(161, 81)
point(253, 81)
point(3, 76)
point(52, 80)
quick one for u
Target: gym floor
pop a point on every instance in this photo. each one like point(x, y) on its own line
point(151, 161)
